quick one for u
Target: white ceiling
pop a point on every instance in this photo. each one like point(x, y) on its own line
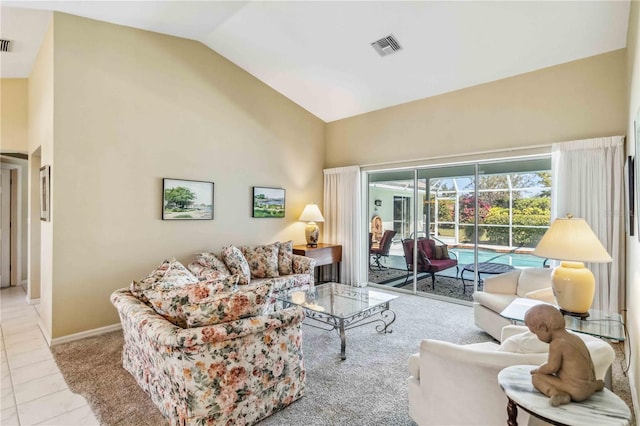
point(318, 53)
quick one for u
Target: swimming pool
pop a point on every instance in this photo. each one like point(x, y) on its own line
point(517, 260)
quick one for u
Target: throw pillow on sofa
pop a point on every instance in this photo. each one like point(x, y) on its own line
point(204, 273)
point(170, 273)
point(211, 261)
point(441, 252)
point(524, 343)
point(237, 264)
point(171, 302)
point(222, 307)
point(285, 258)
point(208, 266)
point(263, 260)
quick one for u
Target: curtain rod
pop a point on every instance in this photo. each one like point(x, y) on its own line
point(468, 154)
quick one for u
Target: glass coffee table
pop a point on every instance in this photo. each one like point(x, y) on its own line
point(606, 325)
point(341, 307)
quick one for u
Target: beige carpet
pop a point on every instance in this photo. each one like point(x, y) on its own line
point(92, 367)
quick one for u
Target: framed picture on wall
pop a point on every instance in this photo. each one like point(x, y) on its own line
point(629, 172)
point(636, 125)
point(187, 199)
point(45, 193)
point(268, 202)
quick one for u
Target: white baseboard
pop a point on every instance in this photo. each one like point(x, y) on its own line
point(83, 334)
point(33, 301)
point(44, 331)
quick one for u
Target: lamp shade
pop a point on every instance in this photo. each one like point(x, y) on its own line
point(311, 213)
point(572, 239)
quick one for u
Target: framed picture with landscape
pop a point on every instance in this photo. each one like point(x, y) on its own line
point(636, 125)
point(630, 196)
point(268, 202)
point(187, 199)
point(45, 196)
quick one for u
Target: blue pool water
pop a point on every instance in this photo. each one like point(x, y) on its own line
point(517, 260)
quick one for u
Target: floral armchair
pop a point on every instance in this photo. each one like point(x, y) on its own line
point(231, 373)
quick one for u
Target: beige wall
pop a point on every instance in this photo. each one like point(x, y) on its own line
point(633, 244)
point(41, 113)
point(13, 115)
point(577, 100)
point(132, 107)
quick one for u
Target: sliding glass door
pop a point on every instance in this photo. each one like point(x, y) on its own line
point(471, 220)
point(449, 215)
point(391, 200)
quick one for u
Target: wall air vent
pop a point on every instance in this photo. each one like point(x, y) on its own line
point(4, 45)
point(386, 46)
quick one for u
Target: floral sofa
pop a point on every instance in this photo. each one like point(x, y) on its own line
point(207, 342)
point(274, 264)
point(231, 373)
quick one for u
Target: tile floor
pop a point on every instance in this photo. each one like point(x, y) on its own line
point(33, 389)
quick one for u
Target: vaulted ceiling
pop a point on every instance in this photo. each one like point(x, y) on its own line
point(319, 53)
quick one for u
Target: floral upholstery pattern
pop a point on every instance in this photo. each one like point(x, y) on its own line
point(237, 264)
point(169, 274)
point(286, 282)
point(303, 265)
point(262, 260)
point(228, 306)
point(285, 258)
point(187, 306)
point(205, 273)
point(210, 260)
point(233, 373)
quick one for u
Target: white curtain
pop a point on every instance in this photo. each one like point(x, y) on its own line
point(342, 221)
point(588, 182)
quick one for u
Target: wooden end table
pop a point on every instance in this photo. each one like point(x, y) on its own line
point(324, 254)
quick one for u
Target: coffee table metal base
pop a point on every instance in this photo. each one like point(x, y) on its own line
point(385, 319)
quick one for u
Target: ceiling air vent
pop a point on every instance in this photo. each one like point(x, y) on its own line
point(386, 46)
point(4, 45)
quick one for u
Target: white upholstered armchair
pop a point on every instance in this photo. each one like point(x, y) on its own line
point(500, 290)
point(453, 384)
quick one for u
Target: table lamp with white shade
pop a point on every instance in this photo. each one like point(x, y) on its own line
point(572, 241)
point(311, 214)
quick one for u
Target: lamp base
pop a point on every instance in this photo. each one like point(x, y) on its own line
point(311, 233)
point(574, 287)
point(575, 314)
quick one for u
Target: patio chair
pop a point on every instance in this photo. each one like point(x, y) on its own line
point(487, 267)
point(382, 250)
point(427, 261)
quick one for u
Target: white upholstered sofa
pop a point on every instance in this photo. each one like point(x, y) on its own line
point(500, 290)
point(453, 384)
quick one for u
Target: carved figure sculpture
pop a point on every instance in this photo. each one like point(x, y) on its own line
point(568, 373)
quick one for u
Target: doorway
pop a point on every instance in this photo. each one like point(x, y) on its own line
point(402, 216)
point(13, 244)
point(5, 228)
